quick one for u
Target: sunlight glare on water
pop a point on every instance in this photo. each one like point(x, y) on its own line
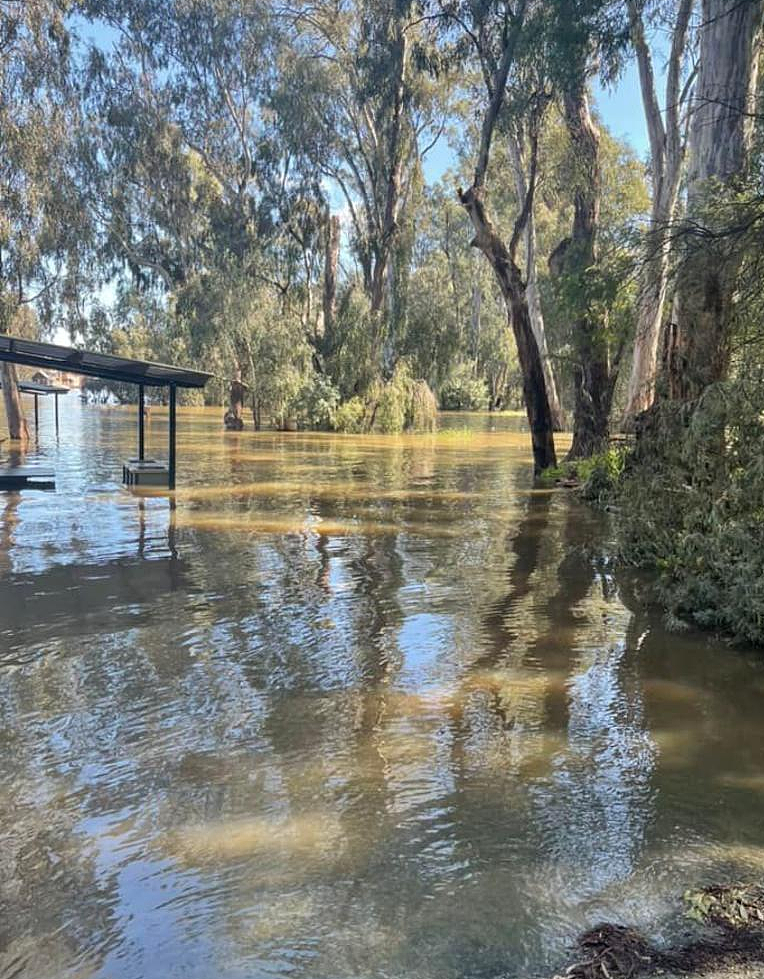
point(361, 707)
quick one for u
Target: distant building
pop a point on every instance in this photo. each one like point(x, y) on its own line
point(57, 379)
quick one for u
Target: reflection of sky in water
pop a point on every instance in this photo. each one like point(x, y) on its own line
point(598, 800)
point(354, 707)
point(425, 641)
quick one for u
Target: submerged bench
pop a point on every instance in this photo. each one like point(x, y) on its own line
point(26, 477)
point(145, 472)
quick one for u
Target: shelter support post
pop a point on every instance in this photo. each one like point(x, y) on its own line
point(141, 423)
point(36, 413)
point(171, 467)
point(56, 397)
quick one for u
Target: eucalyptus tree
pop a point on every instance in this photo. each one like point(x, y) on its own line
point(666, 129)
point(192, 185)
point(501, 35)
point(43, 231)
point(723, 112)
point(519, 160)
point(364, 101)
point(586, 37)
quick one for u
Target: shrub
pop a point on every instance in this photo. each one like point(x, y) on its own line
point(349, 417)
point(692, 505)
point(601, 475)
point(400, 404)
point(316, 403)
point(423, 413)
point(462, 391)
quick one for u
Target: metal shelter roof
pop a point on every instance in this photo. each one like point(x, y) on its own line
point(32, 387)
point(50, 356)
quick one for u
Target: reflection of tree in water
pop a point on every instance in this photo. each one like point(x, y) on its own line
point(9, 521)
point(595, 806)
point(562, 718)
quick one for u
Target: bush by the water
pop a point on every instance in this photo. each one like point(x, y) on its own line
point(691, 504)
point(400, 404)
point(598, 477)
point(463, 391)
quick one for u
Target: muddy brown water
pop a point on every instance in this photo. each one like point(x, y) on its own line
point(364, 707)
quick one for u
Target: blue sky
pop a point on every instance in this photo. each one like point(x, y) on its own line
point(619, 106)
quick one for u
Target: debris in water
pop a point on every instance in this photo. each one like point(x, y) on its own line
point(735, 913)
point(611, 952)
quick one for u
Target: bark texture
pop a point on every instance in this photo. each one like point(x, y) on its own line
point(331, 264)
point(18, 429)
point(667, 153)
point(593, 377)
point(233, 419)
point(720, 138)
point(510, 280)
point(532, 286)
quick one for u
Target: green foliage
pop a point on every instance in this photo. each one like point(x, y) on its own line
point(317, 403)
point(601, 474)
point(691, 506)
point(598, 477)
point(350, 416)
point(463, 391)
point(400, 404)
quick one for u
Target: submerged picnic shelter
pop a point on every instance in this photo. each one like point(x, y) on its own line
point(37, 391)
point(142, 373)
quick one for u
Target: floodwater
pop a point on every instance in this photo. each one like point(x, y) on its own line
point(353, 707)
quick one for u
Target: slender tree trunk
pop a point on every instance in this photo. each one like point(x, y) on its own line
point(532, 287)
point(651, 302)
point(477, 302)
point(14, 413)
point(331, 264)
point(502, 257)
point(720, 140)
point(394, 162)
point(510, 281)
point(233, 419)
point(667, 150)
point(592, 380)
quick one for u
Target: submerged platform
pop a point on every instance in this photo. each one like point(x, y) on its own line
point(145, 472)
point(26, 477)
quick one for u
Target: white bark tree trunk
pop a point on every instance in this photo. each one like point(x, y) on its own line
point(720, 141)
point(667, 151)
point(532, 286)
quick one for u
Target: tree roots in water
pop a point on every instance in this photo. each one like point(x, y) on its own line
point(736, 914)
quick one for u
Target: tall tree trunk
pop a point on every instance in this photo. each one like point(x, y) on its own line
point(233, 419)
point(593, 384)
point(331, 264)
point(18, 429)
point(532, 285)
point(394, 162)
point(667, 150)
point(720, 140)
point(502, 257)
point(510, 281)
point(475, 317)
